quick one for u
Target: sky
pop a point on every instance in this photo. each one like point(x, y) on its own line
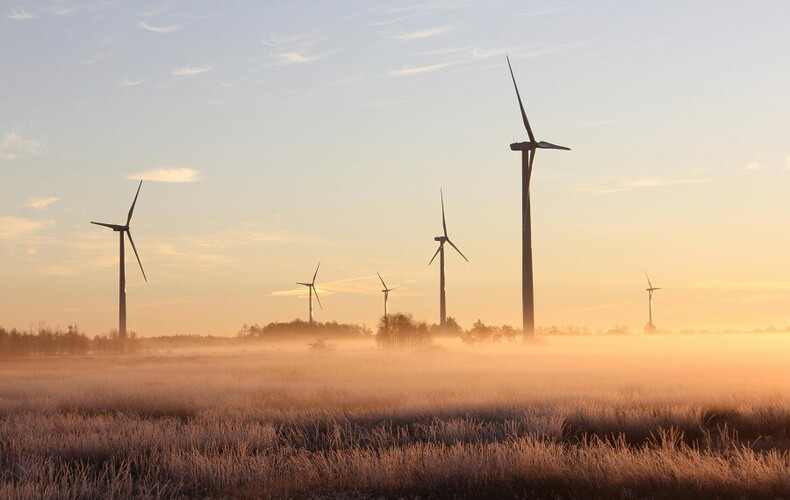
point(274, 135)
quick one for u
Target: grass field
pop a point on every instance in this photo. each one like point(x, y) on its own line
point(704, 416)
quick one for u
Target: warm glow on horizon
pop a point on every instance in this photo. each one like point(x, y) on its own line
point(273, 136)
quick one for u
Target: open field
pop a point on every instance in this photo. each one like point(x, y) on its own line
point(576, 417)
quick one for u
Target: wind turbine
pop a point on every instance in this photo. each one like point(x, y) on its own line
point(311, 287)
point(440, 252)
point(650, 289)
point(386, 296)
point(528, 150)
point(124, 229)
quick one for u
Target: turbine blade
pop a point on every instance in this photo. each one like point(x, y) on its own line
point(520, 105)
point(303, 284)
point(548, 145)
point(316, 272)
point(437, 253)
point(382, 280)
point(317, 297)
point(111, 226)
point(129, 234)
point(457, 250)
point(444, 224)
point(648, 280)
point(131, 210)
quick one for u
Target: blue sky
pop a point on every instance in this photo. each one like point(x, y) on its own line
point(306, 131)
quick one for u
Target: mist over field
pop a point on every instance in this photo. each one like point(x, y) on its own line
point(567, 417)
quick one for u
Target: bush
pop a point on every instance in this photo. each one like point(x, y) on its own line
point(403, 331)
point(298, 328)
point(485, 334)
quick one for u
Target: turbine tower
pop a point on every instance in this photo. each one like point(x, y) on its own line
point(650, 327)
point(440, 252)
point(311, 287)
point(124, 229)
point(386, 296)
point(528, 150)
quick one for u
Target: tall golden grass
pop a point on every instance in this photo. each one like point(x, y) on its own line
point(629, 417)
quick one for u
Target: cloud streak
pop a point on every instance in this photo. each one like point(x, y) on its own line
point(167, 175)
point(126, 82)
point(755, 286)
point(190, 70)
point(273, 40)
point(13, 228)
point(16, 147)
point(296, 58)
point(645, 182)
point(417, 35)
point(418, 70)
point(19, 14)
point(41, 203)
point(159, 29)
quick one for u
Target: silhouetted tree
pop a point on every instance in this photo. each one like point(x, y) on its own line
point(481, 333)
point(298, 328)
point(403, 331)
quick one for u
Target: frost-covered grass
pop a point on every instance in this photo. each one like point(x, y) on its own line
point(668, 417)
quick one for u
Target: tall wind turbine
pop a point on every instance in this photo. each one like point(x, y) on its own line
point(386, 296)
point(528, 150)
point(650, 289)
point(124, 229)
point(311, 287)
point(440, 252)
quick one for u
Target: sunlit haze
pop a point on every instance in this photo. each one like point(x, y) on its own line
point(273, 135)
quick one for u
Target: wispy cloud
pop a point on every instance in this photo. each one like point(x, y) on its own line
point(365, 285)
point(190, 70)
point(293, 49)
point(645, 182)
point(127, 82)
point(62, 11)
point(418, 70)
point(41, 203)
point(544, 11)
point(273, 40)
point(159, 29)
point(58, 271)
point(601, 306)
point(19, 14)
point(754, 166)
point(13, 228)
point(762, 286)
point(168, 250)
point(167, 175)
point(296, 57)
point(16, 147)
point(427, 33)
point(245, 234)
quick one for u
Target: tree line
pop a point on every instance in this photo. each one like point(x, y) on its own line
point(46, 341)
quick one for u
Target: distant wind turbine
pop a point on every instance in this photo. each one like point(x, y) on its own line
point(440, 252)
point(124, 229)
point(311, 287)
point(386, 297)
point(650, 289)
point(528, 150)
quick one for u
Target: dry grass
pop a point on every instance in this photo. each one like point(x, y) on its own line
point(662, 417)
